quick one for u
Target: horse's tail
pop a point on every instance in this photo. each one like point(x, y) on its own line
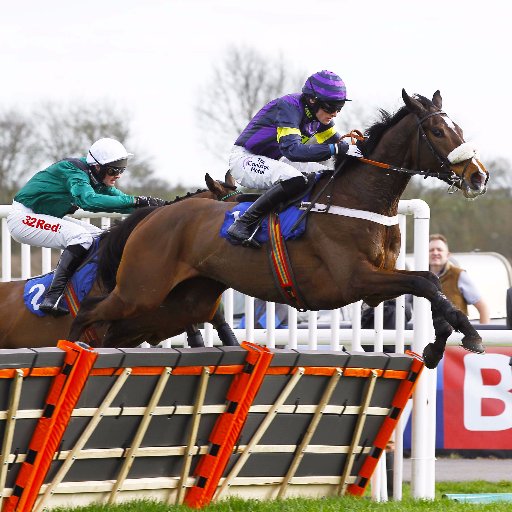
point(112, 242)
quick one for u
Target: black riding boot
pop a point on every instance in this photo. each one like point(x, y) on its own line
point(70, 260)
point(244, 227)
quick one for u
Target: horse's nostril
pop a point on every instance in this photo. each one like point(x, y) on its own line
point(477, 180)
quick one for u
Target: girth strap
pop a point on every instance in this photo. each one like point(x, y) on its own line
point(385, 220)
point(90, 334)
point(281, 267)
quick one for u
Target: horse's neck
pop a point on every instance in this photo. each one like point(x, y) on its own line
point(367, 187)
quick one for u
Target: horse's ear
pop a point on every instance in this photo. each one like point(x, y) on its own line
point(210, 182)
point(412, 104)
point(228, 179)
point(437, 100)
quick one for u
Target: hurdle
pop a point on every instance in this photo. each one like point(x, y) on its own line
point(194, 426)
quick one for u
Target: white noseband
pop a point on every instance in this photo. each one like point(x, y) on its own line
point(466, 151)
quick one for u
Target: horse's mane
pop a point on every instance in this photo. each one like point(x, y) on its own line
point(188, 195)
point(374, 133)
point(113, 240)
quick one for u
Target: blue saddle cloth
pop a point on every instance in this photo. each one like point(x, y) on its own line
point(35, 288)
point(287, 219)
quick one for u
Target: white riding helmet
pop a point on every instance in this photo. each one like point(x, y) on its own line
point(105, 151)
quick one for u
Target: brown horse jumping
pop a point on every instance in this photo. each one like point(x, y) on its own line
point(338, 261)
point(19, 328)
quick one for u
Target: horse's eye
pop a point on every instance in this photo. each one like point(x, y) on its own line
point(436, 132)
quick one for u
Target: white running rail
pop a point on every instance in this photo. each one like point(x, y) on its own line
point(333, 337)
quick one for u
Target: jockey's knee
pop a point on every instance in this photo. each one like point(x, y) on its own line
point(294, 185)
point(84, 239)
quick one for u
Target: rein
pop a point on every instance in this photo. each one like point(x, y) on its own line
point(312, 203)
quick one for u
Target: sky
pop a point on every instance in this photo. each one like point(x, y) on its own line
point(151, 57)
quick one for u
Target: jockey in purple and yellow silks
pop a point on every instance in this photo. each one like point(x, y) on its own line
point(276, 148)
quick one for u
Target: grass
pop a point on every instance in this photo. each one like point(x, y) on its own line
point(349, 503)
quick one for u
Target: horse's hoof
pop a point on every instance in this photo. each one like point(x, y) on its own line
point(432, 356)
point(473, 345)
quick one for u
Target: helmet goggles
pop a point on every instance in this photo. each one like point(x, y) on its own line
point(114, 171)
point(116, 168)
point(331, 106)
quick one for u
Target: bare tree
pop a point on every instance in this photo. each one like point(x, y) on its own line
point(16, 151)
point(501, 175)
point(242, 83)
point(67, 130)
point(54, 130)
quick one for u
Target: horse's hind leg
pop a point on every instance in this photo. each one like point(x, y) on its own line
point(191, 302)
point(226, 334)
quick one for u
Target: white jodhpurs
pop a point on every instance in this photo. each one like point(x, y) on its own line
point(261, 172)
point(41, 230)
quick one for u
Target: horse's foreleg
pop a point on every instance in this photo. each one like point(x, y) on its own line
point(194, 337)
point(97, 310)
point(84, 317)
point(433, 352)
point(460, 322)
point(422, 284)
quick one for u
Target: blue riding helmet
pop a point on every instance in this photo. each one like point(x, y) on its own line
point(326, 86)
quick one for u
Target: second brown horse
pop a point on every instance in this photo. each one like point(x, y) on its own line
point(19, 328)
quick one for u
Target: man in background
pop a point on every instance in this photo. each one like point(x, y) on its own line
point(455, 282)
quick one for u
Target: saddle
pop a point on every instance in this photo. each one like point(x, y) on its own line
point(79, 286)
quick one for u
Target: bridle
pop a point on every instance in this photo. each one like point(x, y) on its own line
point(445, 174)
point(231, 194)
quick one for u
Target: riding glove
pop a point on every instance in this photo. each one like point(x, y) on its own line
point(348, 149)
point(143, 201)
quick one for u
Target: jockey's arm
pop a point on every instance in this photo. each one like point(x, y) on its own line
point(290, 144)
point(88, 199)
